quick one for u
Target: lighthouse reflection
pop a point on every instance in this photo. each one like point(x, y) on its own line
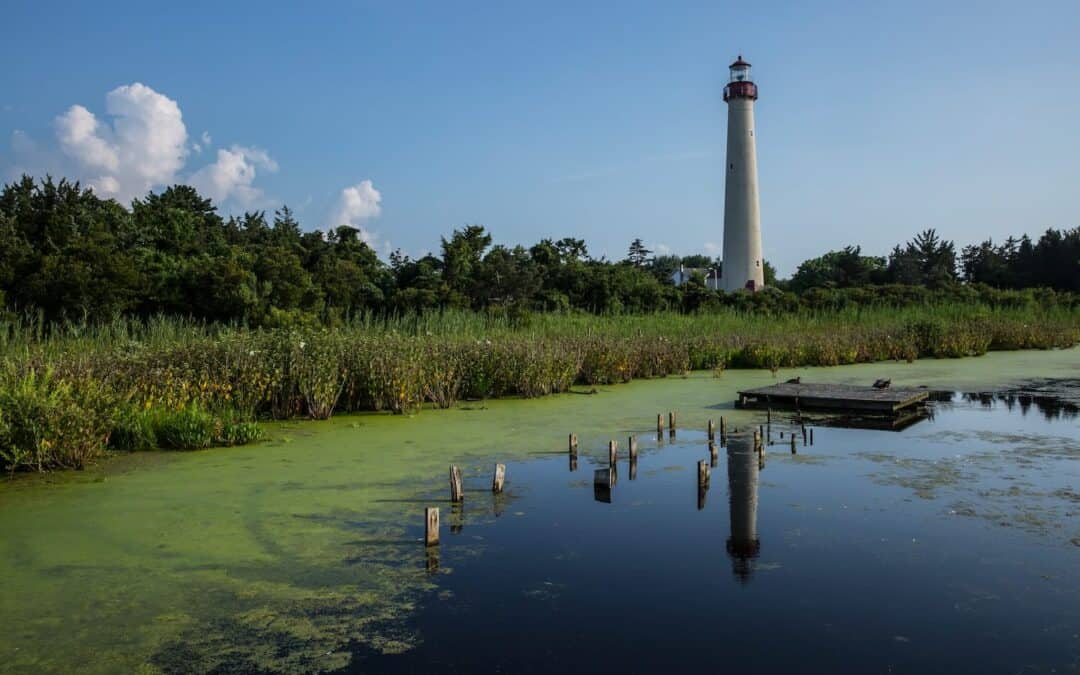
point(743, 545)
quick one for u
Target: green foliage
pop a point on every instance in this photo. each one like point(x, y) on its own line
point(838, 269)
point(47, 423)
point(174, 384)
point(193, 428)
point(72, 256)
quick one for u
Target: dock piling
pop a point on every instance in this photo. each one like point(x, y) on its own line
point(457, 492)
point(498, 479)
point(431, 526)
point(702, 473)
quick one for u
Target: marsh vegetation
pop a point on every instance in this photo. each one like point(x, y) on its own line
point(69, 393)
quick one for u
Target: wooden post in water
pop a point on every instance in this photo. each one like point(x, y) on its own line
point(457, 493)
point(811, 435)
point(631, 442)
point(573, 444)
point(671, 421)
point(431, 526)
point(793, 444)
point(768, 415)
point(573, 462)
point(498, 479)
point(702, 473)
point(723, 429)
point(660, 423)
point(804, 434)
point(713, 454)
point(712, 430)
point(611, 448)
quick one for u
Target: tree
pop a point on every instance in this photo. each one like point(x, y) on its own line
point(836, 269)
point(925, 260)
point(638, 255)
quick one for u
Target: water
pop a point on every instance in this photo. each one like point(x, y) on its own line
point(943, 548)
point(950, 546)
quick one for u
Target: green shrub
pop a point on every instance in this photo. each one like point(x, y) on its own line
point(187, 429)
point(134, 430)
point(49, 423)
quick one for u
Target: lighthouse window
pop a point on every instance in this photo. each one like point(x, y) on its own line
point(731, 166)
point(751, 132)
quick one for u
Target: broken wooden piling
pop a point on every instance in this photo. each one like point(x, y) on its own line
point(457, 492)
point(431, 526)
point(573, 444)
point(702, 473)
point(659, 423)
point(612, 446)
point(498, 479)
point(711, 429)
point(631, 443)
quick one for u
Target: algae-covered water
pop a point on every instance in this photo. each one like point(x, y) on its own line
point(952, 546)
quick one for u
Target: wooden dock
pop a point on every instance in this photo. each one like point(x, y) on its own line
point(834, 397)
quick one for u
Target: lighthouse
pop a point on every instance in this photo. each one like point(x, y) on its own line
point(743, 267)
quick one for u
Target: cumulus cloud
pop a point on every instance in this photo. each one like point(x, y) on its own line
point(712, 248)
point(356, 204)
point(232, 175)
point(143, 143)
point(661, 249)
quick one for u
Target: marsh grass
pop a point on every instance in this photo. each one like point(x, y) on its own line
point(178, 384)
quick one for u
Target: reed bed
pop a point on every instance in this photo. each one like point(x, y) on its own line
point(68, 393)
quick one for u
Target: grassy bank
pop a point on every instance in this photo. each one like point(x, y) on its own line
point(69, 394)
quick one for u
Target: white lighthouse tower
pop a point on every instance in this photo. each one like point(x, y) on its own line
point(743, 267)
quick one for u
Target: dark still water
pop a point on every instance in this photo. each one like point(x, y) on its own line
point(952, 546)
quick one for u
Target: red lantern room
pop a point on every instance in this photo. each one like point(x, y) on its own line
point(740, 85)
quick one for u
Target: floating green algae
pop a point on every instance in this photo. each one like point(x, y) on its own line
point(276, 557)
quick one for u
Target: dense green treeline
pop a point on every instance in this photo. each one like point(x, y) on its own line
point(65, 254)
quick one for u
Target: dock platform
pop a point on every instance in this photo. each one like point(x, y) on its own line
point(834, 397)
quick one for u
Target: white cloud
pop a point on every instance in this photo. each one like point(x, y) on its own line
point(712, 248)
point(661, 249)
point(143, 146)
point(231, 177)
point(356, 204)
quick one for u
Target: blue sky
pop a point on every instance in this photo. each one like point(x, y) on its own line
point(597, 120)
